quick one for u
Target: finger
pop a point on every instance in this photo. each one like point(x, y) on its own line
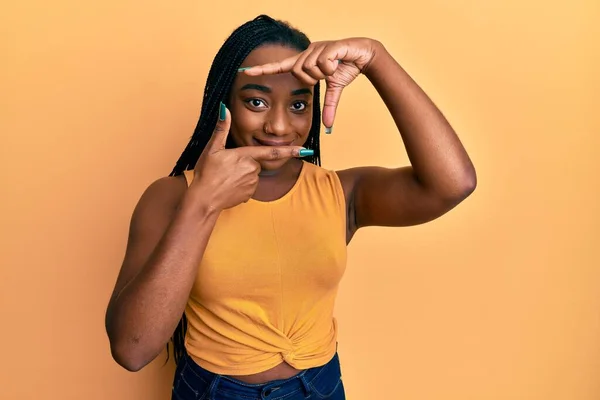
point(329, 58)
point(271, 153)
point(327, 66)
point(332, 98)
point(311, 67)
point(219, 136)
point(299, 72)
point(279, 67)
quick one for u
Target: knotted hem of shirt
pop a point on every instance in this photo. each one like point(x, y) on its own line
point(276, 359)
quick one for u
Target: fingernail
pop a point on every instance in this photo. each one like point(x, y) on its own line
point(328, 130)
point(243, 69)
point(222, 112)
point(306, 152)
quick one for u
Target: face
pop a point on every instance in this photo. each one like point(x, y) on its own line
point(271, 110)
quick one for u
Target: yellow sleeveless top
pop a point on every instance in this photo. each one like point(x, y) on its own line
point(267, 283)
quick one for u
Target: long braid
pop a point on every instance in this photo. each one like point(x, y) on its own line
point(259, 31)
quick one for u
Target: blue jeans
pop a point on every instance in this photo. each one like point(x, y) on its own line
point(193, 382)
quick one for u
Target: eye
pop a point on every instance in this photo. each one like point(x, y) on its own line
point(299, 106)
point(256, 103)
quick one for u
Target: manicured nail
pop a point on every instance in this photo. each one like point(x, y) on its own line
point(306, 152)
point(222, 112)
point(243, 69)
point(328, 130)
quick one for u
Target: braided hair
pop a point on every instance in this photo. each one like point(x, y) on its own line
point(260, 31)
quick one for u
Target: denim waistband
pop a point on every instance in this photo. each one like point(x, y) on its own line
point(271, 390)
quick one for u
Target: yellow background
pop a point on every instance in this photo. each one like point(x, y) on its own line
point(500, 299)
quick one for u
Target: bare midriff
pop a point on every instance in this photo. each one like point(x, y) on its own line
point(281, 371)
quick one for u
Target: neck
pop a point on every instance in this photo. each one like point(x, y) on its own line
point(290, 168)
point(269, 173)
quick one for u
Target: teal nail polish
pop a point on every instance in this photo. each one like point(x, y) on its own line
point(306, 152)
point(328, 130)
point(243, 69)
point(222, 112)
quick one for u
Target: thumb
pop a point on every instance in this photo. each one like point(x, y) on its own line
point(330, 103)
point(219, 136)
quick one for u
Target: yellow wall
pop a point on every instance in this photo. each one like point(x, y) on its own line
point(500, 299)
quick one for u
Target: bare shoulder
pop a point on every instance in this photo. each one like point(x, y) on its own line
point(349, 177)
point(155, 209)
point(164, 193)
point(153, 213)
point(156, 206)
point(149, 221)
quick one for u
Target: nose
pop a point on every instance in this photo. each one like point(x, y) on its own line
point(277, 122)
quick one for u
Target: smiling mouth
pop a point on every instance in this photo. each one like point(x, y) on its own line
point(272, 142)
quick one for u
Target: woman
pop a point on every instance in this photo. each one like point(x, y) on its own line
point(248, 234)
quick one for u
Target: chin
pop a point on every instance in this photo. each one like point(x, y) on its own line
point(272, 165)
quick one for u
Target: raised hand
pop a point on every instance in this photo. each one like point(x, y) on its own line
point(338, 62)
point(228, 177)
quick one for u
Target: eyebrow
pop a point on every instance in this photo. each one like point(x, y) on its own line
point(265, 89)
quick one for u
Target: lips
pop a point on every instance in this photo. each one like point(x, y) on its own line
point(272, 142)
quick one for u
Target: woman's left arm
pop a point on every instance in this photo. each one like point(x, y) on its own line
point(441, 174)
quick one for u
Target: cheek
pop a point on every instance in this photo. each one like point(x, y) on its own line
point(244, 123)
point(303, 123)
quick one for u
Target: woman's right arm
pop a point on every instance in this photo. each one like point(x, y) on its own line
point(170, 228)
point(169, 231)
